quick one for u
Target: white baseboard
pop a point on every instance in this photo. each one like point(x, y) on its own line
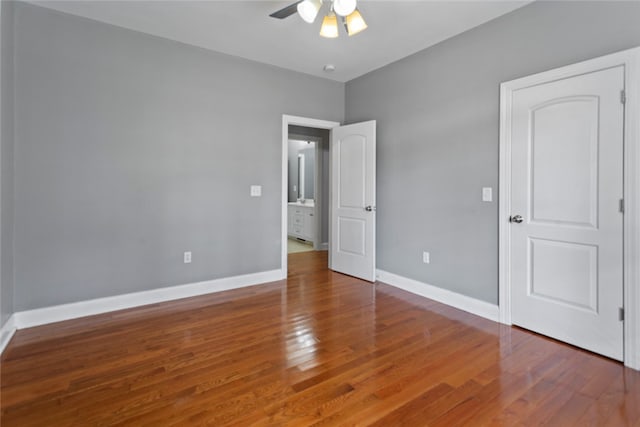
point(58, 313)
point(453, 299)
point(6, 332)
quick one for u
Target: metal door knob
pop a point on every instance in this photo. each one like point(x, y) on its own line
point(516, 218)
point(369, 208)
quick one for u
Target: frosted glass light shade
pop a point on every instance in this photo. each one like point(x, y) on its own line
point(308, 10)
point(355, 23)
point(329, 26)
point(344, 7)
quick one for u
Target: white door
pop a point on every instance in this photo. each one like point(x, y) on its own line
point(353, 200)
point(566, 220)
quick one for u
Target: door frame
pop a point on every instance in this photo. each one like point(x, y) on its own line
point(286, 121)
point(630, 59)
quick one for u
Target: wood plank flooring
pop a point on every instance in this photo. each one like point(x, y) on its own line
point(319, 349)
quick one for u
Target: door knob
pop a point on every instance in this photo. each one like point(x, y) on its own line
point(516, 218)
point(369, 208)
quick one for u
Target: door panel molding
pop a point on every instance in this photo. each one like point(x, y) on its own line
point(630, 60)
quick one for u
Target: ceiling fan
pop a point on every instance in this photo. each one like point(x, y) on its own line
point(286, 12)
point(308, 10)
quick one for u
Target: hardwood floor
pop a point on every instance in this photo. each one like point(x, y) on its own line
point(317, 349)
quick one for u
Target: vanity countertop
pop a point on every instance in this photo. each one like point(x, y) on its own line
point(308, 204)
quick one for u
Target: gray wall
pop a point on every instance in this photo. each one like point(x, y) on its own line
point(437, 118)
point(324, 190)
point(6, 161)
point(131, 149)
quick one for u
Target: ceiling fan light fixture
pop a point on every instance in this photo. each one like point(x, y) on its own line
point(355, 23)
point(344, 7)
point(308, 10)
point(329, 27)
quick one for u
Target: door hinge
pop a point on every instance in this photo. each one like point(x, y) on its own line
point(621, 314)
point(621, 205)
point(623, 97)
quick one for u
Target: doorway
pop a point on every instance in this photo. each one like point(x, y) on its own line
point(300, 212)
point(349, 201)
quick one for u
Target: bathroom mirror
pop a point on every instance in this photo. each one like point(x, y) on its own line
point(302, 159)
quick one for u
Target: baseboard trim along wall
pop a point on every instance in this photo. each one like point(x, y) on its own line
point(453, 299)
point(7, 331)
point(58, 313)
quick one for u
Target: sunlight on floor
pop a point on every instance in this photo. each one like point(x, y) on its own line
point(295, 246)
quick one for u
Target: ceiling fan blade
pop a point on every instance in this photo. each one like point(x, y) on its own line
point(287, 11)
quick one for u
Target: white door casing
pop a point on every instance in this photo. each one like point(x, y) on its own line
point(353, 191)
point(569, 151)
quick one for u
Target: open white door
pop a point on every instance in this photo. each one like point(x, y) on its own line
point(353, 200)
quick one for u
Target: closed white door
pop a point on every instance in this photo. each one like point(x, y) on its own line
point(353, 193)
point(566, 219)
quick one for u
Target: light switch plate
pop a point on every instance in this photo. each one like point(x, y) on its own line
point(256, 190)
point(487, 194)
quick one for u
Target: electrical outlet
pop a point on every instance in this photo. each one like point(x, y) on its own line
point(426, 257)
point(187, 257)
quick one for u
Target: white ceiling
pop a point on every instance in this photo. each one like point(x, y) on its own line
point(243, 28)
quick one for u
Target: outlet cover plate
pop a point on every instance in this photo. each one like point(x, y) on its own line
point(256, 190)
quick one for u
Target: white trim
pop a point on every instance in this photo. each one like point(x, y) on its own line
point(444, 296)
point(504, 207)
point(286, 121)
point(7, 331)
point(58, 313)
point(632, 211)
point(630, 59)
